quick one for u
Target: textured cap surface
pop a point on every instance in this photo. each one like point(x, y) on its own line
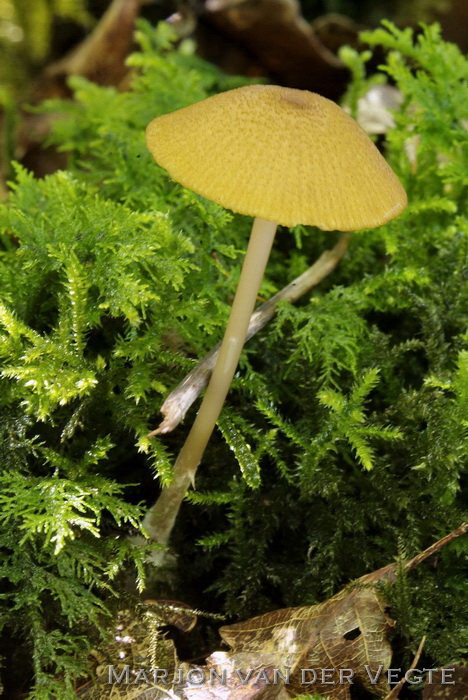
point(285, 155)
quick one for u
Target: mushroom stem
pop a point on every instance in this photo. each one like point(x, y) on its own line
point(180, 399)
point(159, 520)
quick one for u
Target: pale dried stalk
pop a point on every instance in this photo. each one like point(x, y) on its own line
point(395, 691)
point(160, 518)
point(182, 397)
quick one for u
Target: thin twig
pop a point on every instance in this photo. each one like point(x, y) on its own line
point(182, 397)
point(415, 561)
point(395, 691)
point(390, 571)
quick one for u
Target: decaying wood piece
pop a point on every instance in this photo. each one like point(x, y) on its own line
point(454, 686)
point(376, 107)
point(101, 56)
point(182, 397)
point(335, 30)
point(278, 38)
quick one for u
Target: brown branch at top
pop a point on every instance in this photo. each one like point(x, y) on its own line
point(389, 572)
point(415, 561)
point(182, 397)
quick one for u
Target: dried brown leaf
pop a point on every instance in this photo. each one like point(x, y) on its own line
point(348, 631)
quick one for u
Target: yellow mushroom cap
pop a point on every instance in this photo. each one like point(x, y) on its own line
point(285, 155)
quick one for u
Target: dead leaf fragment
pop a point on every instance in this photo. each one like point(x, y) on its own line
point(130, 648)
point(349, 631)
point(240, 679)
point(175, 613)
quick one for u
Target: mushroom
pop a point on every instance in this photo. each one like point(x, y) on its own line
point(283, 156)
